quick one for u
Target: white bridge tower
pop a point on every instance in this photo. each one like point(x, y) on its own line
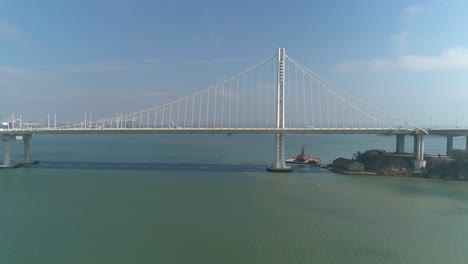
point(279, 164)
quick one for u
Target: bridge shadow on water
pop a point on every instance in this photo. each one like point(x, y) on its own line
point(189, 167)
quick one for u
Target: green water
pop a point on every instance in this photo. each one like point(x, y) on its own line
point(116, 215)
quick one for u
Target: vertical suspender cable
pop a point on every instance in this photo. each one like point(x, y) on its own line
point(178, 111)
point(304, 97)
point(185, 111)
point(200, 111)
point(207, 108)
point(162, 120)
point(312, 112)
point(222, 108)
point(170, 116)
point(296, 88)
point(147, 118)
point(343, 109)
point(251, 92)
point(334, 110)
point(193, 109)
point(320, 103)
point(245, 100)
point(215, 109)
point(141, 118)
point(267, 88)
point(230, 102)
point(288, 93)
point(156, 117)
point(237, 104)
point(326, 101)
point(259, 88)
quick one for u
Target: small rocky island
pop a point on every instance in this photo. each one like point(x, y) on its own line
point(380, 162)
point(374, 162)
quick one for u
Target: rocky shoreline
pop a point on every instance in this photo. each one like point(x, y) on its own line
point(380, 162)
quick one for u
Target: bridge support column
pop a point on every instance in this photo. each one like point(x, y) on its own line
point(466, 143)
point(400, 144)
point(26, 139)
point(419, 161)
point(279, 164)
point(449, 145)
point(6, 150)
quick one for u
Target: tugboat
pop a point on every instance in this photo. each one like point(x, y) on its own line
point(302, 159)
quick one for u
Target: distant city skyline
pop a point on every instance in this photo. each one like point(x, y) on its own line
point(105, 57)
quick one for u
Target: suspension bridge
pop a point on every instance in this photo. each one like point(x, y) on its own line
point(277, 96)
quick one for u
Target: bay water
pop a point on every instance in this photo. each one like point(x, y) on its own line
point(208, 199)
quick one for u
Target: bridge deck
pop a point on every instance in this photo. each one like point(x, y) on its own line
point(383, 131)
point(449, 131)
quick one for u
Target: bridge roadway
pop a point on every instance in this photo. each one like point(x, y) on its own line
point(450, 133)
point(371, 131)
point(454, 132)
point(446, 132)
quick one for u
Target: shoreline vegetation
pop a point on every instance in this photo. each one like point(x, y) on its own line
point(382, 163)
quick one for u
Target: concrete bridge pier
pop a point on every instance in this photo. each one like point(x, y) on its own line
point(26, 139)
point(419, 161)
point(279, 164)
point(466, 142)
point(449, 145)
point(400, 144)
point(6, 151)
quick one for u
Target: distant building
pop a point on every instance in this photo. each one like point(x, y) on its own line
point(5, 125)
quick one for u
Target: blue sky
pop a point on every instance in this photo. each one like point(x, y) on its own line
point(107, 56)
